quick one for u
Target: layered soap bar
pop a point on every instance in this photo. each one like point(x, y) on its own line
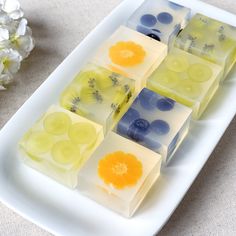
point(187, 79)
point(131, 54)
point(159, 19)
point(98, 94)
point(210, 39)
point(59, 144)
point(119, 174)
point(156, 122)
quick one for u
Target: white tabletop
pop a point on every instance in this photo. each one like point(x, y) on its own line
point(209, 208)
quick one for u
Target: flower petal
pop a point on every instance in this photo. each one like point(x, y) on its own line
point(5, 79)
point(11, 5)
point(4, 18)
point(21, 29)
point(1, 67)
point(16, 14)
point(4, 34)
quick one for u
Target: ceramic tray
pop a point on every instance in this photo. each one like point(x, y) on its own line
point(66, 212)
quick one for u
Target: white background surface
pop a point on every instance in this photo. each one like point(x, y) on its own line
point(209, 208)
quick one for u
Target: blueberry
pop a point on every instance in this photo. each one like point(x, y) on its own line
point(143, 30)
point(130, 116)
point(150, 143)
point(165, 18)
point(154, 36)
point(173, 143)
point(165, 104)
point(160, 127)
point(126, 120)
point(148, 20)
point(175, 6)
point(148, 99)
point(138, 129)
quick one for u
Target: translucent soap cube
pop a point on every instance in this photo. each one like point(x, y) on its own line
point(59, 144)
point(210, 39)
point(119, 174)
point(98, 94)
point(159, 19)
point(187, 79)
point(156, 122)
point(131, 54)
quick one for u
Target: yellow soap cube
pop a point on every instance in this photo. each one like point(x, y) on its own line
point(59, 144)
point(187, 79)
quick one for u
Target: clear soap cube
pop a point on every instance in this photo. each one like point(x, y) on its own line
point(210, 39)
point(161, 20)
point(131, 54)
point(59, 144)
point(119, 174)
point(98, 94)
point(187, 79)
point(156, 122)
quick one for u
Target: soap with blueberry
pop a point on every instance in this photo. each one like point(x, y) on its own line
point(98, 94)
point(131, 54)
point(161, 20)
point(156, 122)
point(187, 79)
point(59, 144)
point(210, 39)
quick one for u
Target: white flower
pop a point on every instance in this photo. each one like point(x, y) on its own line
point(22, 40)
point(17, 35)
point(9, 64)
point(12, 8)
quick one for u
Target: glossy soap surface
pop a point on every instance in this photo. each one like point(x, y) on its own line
point(131, 54)
point(210, 39)
point(156, 122)
point(187, 79)
point(159, 19)
point(98, 94)
point(119, 174)
point(59, 143)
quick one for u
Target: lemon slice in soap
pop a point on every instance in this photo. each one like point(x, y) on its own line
point(65, 152)
point(199, 72)
point(167, 78)
point(82, 133)
point(57, 123)
point(189, 89)
point(177, 63)
point(39, 143)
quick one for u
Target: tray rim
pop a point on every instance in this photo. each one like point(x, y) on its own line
point(201, 7)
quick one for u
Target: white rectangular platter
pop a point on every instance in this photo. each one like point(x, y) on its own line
point(66, 212)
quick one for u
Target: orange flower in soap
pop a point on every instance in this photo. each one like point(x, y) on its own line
point(127, 54)
point(120, 169)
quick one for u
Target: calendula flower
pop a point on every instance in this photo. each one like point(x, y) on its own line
point(12, 8)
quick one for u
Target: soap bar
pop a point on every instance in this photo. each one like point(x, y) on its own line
point(210, 39)
point(119, 174)
point(156, 122)
point(159, 19)
point(98, 94)
point(187, 79)
point(131, 54)
point(59, 144)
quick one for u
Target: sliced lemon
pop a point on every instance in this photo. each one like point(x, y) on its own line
point(39, 143)
point(83, 133)
point(65, 152)
point(199, 72)
point(57, 123)
point(177, 63)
